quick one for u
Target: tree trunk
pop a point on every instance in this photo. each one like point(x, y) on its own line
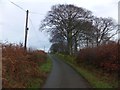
point(69, 44)
point(75, 46)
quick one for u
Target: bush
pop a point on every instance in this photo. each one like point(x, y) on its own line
point(19, 66)
point(104, 57)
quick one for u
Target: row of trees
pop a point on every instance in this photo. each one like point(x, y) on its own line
point(72, 28)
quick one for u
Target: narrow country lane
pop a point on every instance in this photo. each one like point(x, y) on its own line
point(63, 76)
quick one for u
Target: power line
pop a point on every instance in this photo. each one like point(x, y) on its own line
point(31, 23)
point(36, 33)
point(24, 9)
point(17, 5)
point(36, 13)
point(29, 17)
point(34, 28)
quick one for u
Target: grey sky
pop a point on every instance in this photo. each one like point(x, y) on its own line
point(12, 19)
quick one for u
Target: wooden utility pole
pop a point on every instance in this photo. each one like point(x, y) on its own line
point(26, 30)
point(44, 48)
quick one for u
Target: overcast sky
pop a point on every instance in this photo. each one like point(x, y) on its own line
point(12, 18)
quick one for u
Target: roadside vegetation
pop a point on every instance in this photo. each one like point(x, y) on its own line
point(85, 41)
point(24, 69)
point(99, 66)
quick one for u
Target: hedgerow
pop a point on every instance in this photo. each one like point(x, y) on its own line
point(20, 66)
point(105, 57)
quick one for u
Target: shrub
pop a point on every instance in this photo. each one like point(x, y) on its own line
point(19, 66)
point(104, 57)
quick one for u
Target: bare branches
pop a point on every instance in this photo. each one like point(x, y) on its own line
point(69, 24)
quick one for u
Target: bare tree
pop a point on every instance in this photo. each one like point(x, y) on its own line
point(62, 18)
point(58, 48)
point(104, 30)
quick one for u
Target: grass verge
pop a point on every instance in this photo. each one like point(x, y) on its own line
point(91, 77)
point(24, 68)
point(45, 69)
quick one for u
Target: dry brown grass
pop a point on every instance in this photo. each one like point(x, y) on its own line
point(19, 66)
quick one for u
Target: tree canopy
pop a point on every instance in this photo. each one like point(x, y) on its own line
point(71, 26)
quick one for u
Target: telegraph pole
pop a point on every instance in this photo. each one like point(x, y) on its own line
point(26, 30)
point(118, 44)
point(44, 48)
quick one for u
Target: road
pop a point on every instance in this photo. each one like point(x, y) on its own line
point(63, 76)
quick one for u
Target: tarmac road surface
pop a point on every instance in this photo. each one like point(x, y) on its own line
point(64, 76)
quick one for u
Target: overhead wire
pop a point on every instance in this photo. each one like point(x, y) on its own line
point(29, 17)
point(34, 28)
point(24, 9)
point(35, 13)
point(17, 5)
point(38, 38)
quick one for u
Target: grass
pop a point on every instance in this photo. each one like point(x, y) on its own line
point(92, 79)
point(90, 75)
point(24, 69)
point(35, 82)
point(44, 68)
